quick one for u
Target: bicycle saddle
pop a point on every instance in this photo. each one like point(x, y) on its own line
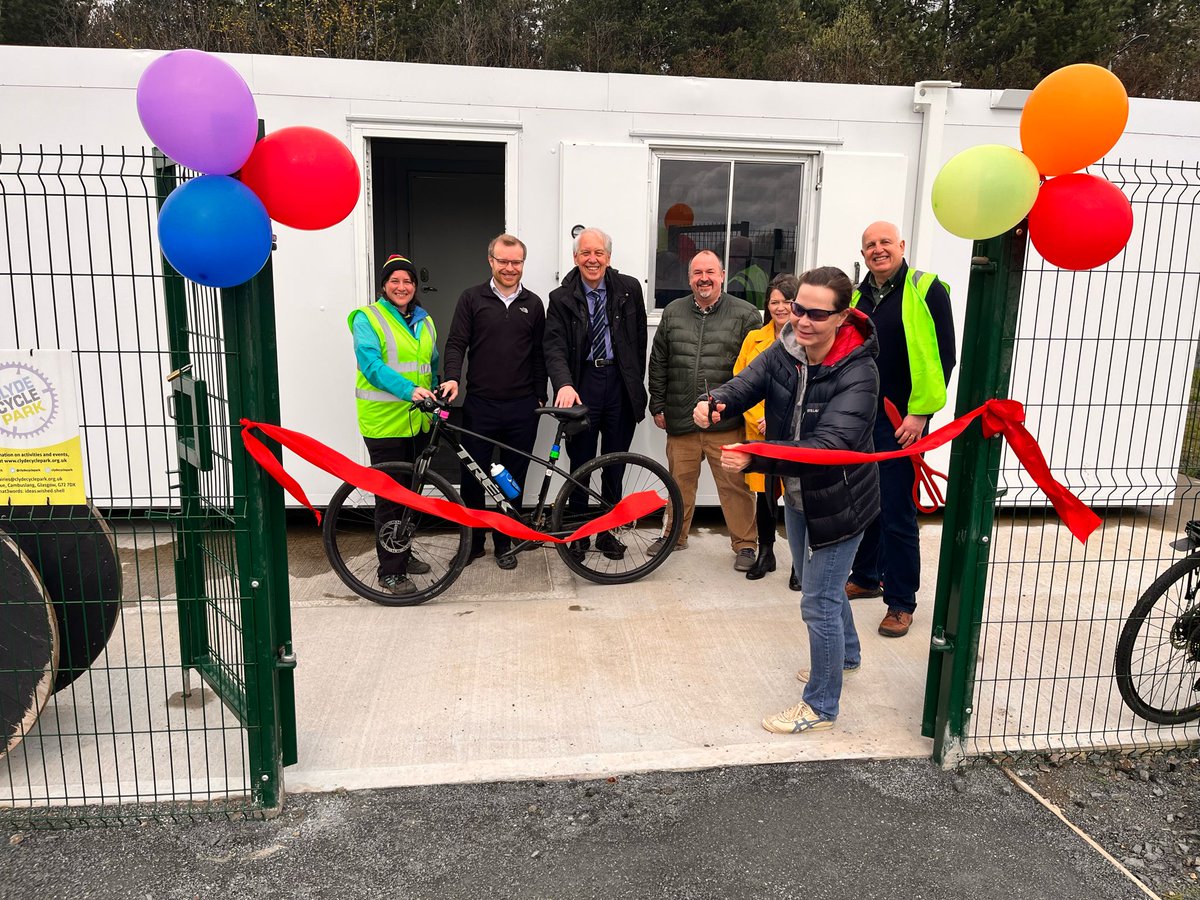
point(567, 414)
point(1192, 530)
point(1191, 539)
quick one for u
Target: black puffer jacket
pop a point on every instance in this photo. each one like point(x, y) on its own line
point(567, 342)
point(692, 349)
point(836, 412)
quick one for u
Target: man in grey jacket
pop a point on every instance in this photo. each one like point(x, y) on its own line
point(695, 348)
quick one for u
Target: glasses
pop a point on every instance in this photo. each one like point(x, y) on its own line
point(515, 263)
point(817, 315)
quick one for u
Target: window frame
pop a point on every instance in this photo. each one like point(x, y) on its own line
point(808, 160)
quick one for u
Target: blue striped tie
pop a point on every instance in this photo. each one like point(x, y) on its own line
point(599, 326)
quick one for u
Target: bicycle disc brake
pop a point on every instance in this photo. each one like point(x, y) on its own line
point(394, 537)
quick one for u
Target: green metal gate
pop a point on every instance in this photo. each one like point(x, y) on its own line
point(1027, 619)
point(231, 536)
point(165, 371)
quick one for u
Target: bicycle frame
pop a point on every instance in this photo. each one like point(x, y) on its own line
point(443, 432)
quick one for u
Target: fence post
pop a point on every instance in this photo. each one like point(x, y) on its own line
point(993, 299)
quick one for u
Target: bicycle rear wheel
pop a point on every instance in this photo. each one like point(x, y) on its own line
point(1158, 652)
point(622, 554)
point(349, 533)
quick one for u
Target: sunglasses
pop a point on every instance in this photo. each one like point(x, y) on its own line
point(817, 315)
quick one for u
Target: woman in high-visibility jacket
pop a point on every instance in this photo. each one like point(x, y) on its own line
point(395, 345)
point(780, 294)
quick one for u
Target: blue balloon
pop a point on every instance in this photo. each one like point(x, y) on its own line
point(215, 231)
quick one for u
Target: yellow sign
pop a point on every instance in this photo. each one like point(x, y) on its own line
point(41, 455)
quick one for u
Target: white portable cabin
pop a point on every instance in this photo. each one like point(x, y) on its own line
point(782, 175)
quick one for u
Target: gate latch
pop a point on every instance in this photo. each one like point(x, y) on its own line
point(939, 643)
point(286, 658)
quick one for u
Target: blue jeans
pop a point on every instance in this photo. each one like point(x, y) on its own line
point(832, 639)
point(891, 545)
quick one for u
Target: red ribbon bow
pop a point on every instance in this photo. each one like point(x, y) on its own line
point(1004, 417)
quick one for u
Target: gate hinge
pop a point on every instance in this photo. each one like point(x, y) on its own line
point(939, 643)
point(286, 658)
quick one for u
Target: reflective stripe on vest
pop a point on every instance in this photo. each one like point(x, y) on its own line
point(920, 339)
point(380, 413)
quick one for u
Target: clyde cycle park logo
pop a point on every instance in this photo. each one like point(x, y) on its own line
point(28, 401)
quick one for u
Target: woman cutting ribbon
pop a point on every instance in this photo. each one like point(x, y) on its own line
point(821, 390)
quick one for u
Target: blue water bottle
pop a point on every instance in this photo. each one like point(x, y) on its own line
point(504, 480)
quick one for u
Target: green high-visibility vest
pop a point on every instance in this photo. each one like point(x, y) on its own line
point(381, 414)
point(920, 337)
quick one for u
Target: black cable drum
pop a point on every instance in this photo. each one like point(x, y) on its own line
point(28, 645)
point(74, 551)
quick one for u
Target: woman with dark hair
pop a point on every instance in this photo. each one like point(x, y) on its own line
point(780, 294)
point(395, 346)
point(821, 389)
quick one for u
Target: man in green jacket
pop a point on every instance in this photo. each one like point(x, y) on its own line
point(695, 348)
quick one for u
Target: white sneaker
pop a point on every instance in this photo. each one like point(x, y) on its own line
point(803, 675)
point(800, 717)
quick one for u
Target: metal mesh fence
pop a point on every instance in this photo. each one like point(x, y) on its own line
point(1104, 363)
point(129, 735)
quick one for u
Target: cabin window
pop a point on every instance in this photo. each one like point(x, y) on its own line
point(745, 211)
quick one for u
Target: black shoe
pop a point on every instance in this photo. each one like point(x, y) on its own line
point(579, 548)
point(418, 566)
point(610, 546)
point(764, 564)
point(793, 582)
point(476, 553)
point(506, 561)
point(397, 584)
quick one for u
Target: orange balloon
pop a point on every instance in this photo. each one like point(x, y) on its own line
point(1072, 118)
point(678, 214)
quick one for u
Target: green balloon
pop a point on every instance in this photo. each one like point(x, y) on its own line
point(984, 191)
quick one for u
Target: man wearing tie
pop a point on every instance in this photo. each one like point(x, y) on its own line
point(596, 355)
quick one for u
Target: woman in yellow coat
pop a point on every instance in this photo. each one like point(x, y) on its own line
point(780, 294)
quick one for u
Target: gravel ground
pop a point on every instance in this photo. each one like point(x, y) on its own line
point(1144, 810)
point(834, 829)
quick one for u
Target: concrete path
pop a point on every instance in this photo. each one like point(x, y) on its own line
point(535, 673)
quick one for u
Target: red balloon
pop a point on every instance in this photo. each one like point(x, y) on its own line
point(305, 177)
point(1080, 221)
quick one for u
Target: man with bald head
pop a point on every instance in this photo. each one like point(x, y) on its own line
point(915, 328)
point(695, 347)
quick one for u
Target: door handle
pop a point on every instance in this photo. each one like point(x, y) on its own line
point(428, 290)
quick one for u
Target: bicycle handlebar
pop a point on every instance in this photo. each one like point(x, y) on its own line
point(432, 404)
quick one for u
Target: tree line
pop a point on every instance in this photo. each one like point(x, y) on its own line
point(1152, 45)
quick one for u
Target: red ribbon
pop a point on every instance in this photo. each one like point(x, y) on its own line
point(1006, 417)
point(923, 472)
point(326, 458)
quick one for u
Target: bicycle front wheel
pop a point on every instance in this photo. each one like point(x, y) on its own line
point(351, 544)
point(1158, 653)
point(624, 553)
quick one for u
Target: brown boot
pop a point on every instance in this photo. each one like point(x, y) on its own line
point(895, 623)
point(854, 592)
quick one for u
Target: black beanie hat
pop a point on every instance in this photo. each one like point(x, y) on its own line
point(392, 264)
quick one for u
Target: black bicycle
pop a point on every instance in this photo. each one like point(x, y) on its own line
point(1158, 652)
point(622, 554)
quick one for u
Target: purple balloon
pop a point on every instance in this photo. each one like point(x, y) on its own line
point(198, 111)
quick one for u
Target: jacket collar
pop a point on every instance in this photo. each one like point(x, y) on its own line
point(418, 311)
point(852, 334)
point(867, 287)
